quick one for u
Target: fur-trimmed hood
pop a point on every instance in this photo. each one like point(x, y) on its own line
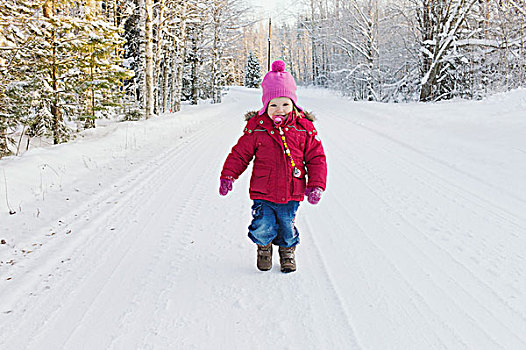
point(252, 114)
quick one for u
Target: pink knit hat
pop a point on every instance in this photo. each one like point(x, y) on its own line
point(278, 83)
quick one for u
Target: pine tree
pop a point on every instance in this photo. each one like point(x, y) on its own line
point(102, 73)
point(252, 71)
point(16, 89)
point(58, 63)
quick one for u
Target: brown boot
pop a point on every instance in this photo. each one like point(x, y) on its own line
point(265, 257)
point(286, 259)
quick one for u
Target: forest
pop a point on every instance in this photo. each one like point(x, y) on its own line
point(65, 64)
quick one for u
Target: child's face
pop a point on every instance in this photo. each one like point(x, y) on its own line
point(279, 106)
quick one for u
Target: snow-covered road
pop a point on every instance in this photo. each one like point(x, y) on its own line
point(418, 243)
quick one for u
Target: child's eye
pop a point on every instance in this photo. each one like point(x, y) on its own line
point(285, 104)
point(273, 105)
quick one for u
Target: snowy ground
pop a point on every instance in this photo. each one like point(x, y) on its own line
point(120, 240)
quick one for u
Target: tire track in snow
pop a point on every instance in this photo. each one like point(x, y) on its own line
point(514, 243)
point(327, 276)
point(149, 297)
point(426, 205)
point(452, 196)
point(409, 262)
point(510, 247)
point(362, 178)
point(185, 211)
point(106, 197)
point(370, 249)
point(468, 194)
point(137, 186)
point(157, 227)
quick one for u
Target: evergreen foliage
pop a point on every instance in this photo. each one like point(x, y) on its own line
point(252, 71)
point(101, 75)
point(59, 64)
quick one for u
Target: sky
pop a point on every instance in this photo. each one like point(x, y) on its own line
point(279, 11)
point(265, 5)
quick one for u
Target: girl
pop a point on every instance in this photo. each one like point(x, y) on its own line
point(289, 164)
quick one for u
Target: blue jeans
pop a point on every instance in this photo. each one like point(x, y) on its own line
point(274, 222)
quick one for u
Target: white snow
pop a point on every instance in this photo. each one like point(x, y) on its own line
point(121, 241)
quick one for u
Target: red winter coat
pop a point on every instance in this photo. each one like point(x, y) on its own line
point(272, 176)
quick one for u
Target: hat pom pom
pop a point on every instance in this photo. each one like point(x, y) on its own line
point(278, 66)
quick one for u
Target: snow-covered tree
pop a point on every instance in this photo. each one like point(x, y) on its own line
point(185, 14)
point(357, 39)
point(15, 89)
point(252, 71)
point(59, 63)
point(194, 58)
point(99, 61)
point(441, 26)
point(224, 28)
point(133, 56)
point(44, 55)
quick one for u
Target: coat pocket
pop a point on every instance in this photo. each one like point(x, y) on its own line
point(260, 180)
point(299, 186)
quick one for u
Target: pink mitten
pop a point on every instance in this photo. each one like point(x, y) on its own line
point(225, 186)
point(313, 194)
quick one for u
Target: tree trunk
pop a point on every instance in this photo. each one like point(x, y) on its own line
point(195, 62)
point(159, 48)
point(313, 36)
point(426, 24)
point(179, 77)
point(4, 144)
point(522, 67)
point(180, 60)
point(216, 59)
point(372, 57)
point(56, 121)
point(173, 75)
point(138, 80)
point(427, 93)
point(164, 93)
point(148, 72)
point(90, 122)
